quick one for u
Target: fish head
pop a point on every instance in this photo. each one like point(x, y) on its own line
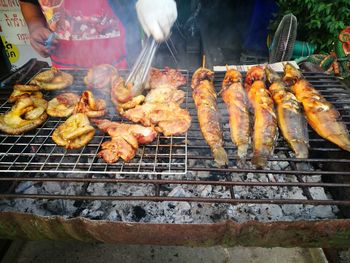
point(253, 74)
point(200, 75)
point(232, 76)
point(291, 74)
point(271, 75)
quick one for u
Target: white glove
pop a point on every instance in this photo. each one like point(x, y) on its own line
point(156, 17)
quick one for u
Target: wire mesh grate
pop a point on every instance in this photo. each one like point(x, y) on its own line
point(36, 152)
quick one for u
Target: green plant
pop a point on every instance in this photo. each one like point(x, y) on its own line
point(319, 21)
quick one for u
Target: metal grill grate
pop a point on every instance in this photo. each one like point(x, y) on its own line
point(36, 152)
point(29, 157)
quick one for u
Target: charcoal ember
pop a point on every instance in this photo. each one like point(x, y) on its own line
point(97, 189)
point(113, 215)
point(263, 178)
point(322, 212)
point(93, 210)
point(179, 191)
point(92, 214)
point(31, 206)
point(51, 188)
point(177, 212)
point(24, 186)
point(271, 212)
point(205, 190)
point(292, 209)
point(203, 174)
point(283, 165)
point(138, 213)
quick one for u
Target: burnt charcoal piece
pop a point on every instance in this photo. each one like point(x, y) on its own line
point(138, 213)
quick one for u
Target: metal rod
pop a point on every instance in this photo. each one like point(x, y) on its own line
point(167, 181)
point(179, 199)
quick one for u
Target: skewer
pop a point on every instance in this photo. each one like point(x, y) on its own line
point(227, 68)
point(203, 61)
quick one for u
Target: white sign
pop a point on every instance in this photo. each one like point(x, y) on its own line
point(7, 5)
point(13, 27)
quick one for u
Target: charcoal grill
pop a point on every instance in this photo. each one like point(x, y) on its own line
point(34, 157)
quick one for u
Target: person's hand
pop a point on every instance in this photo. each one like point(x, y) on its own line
point(38, 36)
point(156, 17)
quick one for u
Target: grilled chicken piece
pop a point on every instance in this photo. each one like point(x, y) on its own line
point(125, 139)
point(236, 101)
point(47, 75)
point(100, 77)
point(90, 106)
point(289, 116)
point(204, 97)
point(168, 119)
point(62, 105)
point(120, 93)
point(74, 133)
point(169, 78)
point(27, 114)
point(52, 79)
point(320, 114)
point(165, 95)
point(23, 91)
point(131, 103)
point(265, 121)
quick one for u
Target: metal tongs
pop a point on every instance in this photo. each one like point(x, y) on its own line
point(138, 75)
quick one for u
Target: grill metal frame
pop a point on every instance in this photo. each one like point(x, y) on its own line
point(196, 152)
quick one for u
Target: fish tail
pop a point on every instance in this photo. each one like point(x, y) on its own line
point(220, 156)
point(259, 161)
point(242, 155)
point(346, 147)
point(342, 140)
point(301, 150)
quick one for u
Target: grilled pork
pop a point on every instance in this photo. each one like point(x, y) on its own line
point(290, 118)
point(100, 77)
point(169, 119)
point(265, 121)
point(161, 107)
point(204, 96)
point(320, 114)
point(170, 78)
point(236, 101)
point(125, 139)
point(165, 95)
point(90, 106)
point(62, 105)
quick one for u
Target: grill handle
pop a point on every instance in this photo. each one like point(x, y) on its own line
point(23, 74)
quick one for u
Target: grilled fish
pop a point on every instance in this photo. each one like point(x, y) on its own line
point(236, 101)
point(289, 116)
point(320, 114)
point(265, 121)
point(204, 96)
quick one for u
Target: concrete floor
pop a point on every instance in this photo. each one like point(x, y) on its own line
point(59, 251)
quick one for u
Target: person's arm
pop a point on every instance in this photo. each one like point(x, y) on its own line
point(37, 26)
